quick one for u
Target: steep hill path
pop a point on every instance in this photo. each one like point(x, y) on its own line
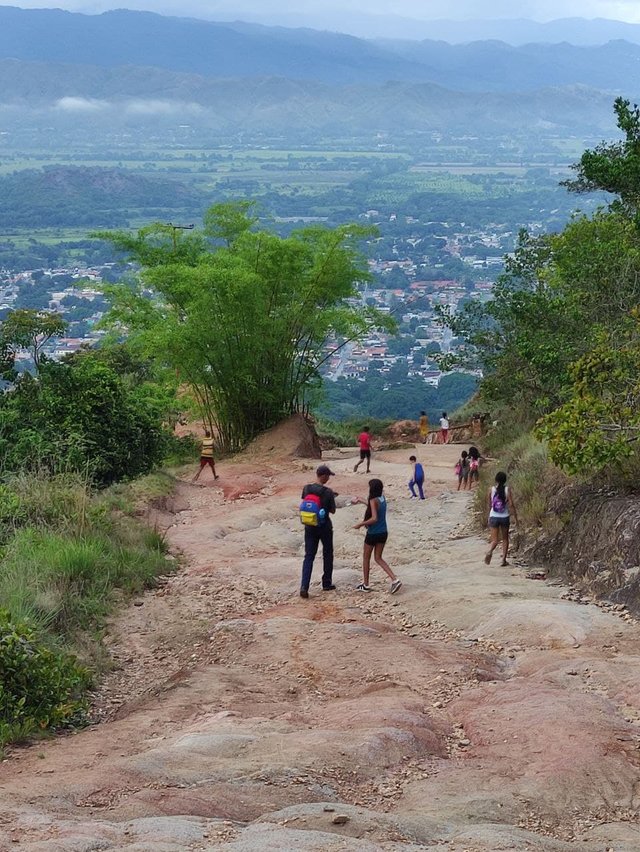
point(475, 710)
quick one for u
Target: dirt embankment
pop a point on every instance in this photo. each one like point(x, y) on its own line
point(598, 545)
point(474, 711)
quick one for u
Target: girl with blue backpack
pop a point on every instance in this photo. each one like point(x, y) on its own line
point(501, 506)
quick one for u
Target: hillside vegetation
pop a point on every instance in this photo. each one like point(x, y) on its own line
point(80, 196)
point(559, 341)
point(69, 554)
point(70, 551)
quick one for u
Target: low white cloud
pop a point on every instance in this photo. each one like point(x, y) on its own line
point(143, 107)
point(73, 104)
point(161, 107)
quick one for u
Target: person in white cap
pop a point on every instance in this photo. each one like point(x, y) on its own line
point(323, 532)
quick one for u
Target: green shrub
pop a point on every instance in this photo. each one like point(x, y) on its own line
point(69, 554)
point(63, 584)
point(180, 450)
point(532, 476)
point(39, 689)
point(81, 416)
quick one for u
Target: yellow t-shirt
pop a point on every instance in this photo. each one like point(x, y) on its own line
point(207, 448)
point(424, 424)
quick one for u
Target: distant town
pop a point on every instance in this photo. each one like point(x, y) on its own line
point(423, 266)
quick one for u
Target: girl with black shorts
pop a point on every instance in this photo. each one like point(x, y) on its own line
point(501, 507)
point(375, 521)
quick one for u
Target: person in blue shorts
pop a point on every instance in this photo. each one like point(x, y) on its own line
point(417, 479)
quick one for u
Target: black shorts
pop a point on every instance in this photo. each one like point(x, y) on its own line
point(375, 538)
point(500, 522)
point(365, 454)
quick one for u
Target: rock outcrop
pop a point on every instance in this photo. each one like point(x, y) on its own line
point(597, 547)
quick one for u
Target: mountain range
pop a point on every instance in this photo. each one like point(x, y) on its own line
point(97, 97)
point(141, 68)
point(515, 31)
point(240, 50)
point(391, 24)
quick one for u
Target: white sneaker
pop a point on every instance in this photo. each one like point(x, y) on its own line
point(362, 588)
point(395, 586)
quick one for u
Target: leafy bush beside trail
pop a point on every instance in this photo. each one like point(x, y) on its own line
point(80, 416)
point(558, 342)
point(69, 554)
point(39, 688)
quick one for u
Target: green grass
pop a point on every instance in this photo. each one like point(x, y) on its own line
point(533, 479)
point(69, 555)
point(62, 584)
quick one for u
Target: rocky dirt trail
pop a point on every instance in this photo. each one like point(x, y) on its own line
point(475, 710)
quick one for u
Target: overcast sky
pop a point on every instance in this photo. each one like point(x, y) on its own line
point(539, 10)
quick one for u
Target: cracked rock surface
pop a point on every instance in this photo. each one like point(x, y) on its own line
point(475, 710)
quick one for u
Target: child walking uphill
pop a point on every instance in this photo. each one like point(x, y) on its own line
point(375, 521)
point(462, 469)
point(501, 505)
point(417, 478)
point(474, 465)
point(206, 457)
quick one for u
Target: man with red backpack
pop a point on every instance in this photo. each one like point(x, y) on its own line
point(318, 503)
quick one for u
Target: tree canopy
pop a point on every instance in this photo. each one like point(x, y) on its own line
point(559, 340)
point(28, 329)
point(244, 316)
point(614, 166)
point(80, 415)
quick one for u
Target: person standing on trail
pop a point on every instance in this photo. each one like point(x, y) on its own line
point(417, 478)
point(474, 465)
point(444, 428)
point(206, 457)
point(364, 442)
point(424, 426)
point(323, 532)
point(375, 522)
point(463, 469)
point(501, 505)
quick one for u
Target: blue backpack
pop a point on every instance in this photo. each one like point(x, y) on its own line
point(311, 512)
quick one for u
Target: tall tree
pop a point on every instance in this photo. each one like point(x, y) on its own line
point(559, 340)
point(614, 166)
point(31, 330)
point(246, 317)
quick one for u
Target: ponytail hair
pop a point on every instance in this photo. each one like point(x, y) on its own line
point(501, 481)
